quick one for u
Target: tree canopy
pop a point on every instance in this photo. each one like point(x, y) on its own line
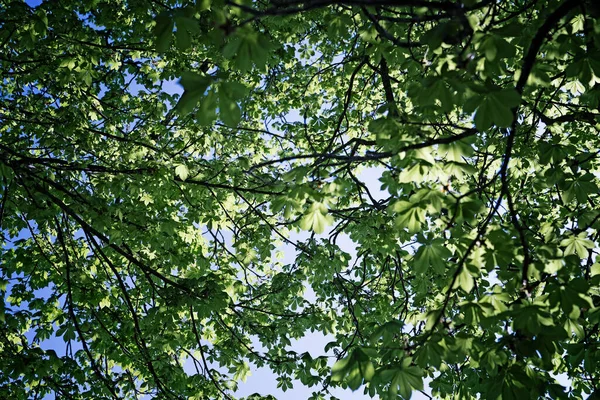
point(452, 145)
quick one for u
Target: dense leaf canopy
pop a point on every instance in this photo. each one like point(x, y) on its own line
point(418, 180)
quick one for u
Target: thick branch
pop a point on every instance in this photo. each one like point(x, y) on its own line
point(540, 37)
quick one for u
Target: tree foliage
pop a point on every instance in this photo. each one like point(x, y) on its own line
point(150, 230)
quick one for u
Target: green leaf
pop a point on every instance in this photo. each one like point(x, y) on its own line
point(464, 280)
point(430, 354)
point(410, 216)
point(434, 255)
point(354, 369)
point(182, 172)
point(242, 371)
point(229, 111)
point(496, 109)
point(404, 379)
point(440, 91)
point(457, 150)
point(284, 383)
point(207, 112)
point(578, 245)
point(184, 40)
point(246, 49)
point(163, 32)
point(485, 116)
point(188, 24)
point(195, 86)
point(489, 48)
point(316, 219)
point(595, 269)
point(234, 90)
